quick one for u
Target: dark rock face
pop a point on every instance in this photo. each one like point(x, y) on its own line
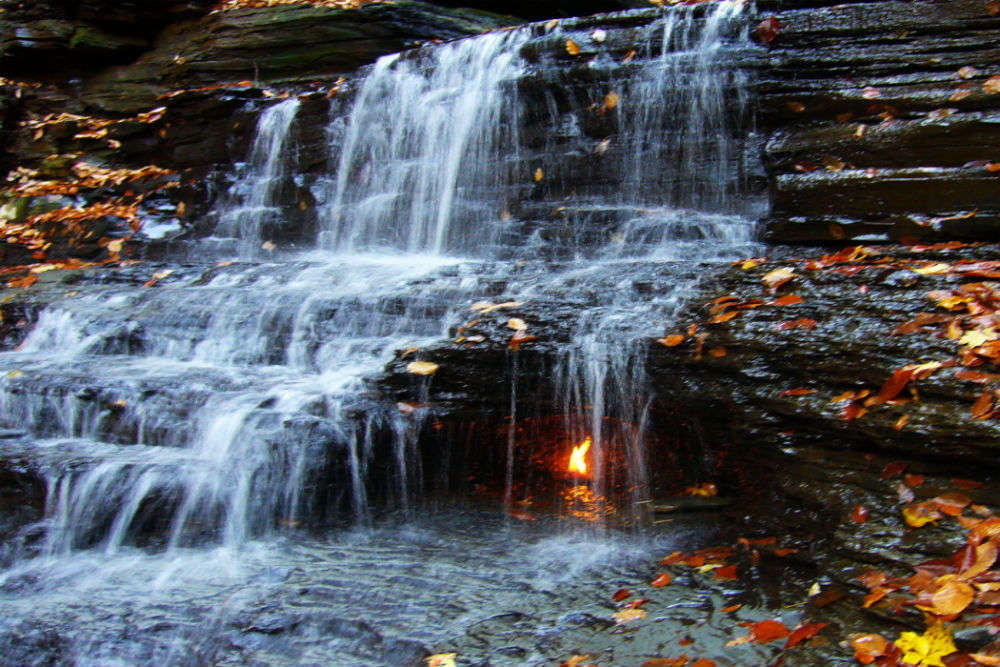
point(880, 121)
point(57, 40)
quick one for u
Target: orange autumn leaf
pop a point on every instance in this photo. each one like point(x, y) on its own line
point(803, 323)
point(787, 300)
point(673, 340)
point(727, 573)
point(860, 514)
point(621, 594)
point(983, 406)
point(913, 481)
point(952, 504)
point(662, 580)
point(768, 631)
point(874, 597)
point(868, 647)
point(717, 352)
point(951, 598)
point(703, 662)
point(572, 47)
point(731, 608)
point(985, 556)
point(667, 662)
point(723, 317)
point(797, 391)
point(675, 557)
point(895, 384)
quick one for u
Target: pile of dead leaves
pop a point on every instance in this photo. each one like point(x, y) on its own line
point(962, 588)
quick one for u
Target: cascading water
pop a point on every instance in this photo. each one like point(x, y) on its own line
point(181, 429)
point(255, 196)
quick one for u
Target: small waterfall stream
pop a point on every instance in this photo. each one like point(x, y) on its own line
point(186, 428)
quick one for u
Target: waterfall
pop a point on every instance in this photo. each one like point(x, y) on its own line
point(223, 402)
point(425, 147)
point(254, 200)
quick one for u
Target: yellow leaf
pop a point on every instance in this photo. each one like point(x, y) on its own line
point(517, 324)
point(778, 277)
point(15, 374)
point(441, 660)
point(611, 100)
point(483, 307)
point(933, 269)
point(977, 337)
point(572, 47)
point(750, 263)
point(539, 175)
point(628, 615)
point(422, 367)
point(926, 650)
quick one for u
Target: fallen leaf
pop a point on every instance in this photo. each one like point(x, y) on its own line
point(726, 573)
point(871, 93)
point(913, 481)
point(441, 660)
point(662, 580)
point(798, 391)
point(731, 608)
point(951, 598)
point(892, 469)
point(992, 85)
point(768, 631)
point(983, 407)
point(901, 422)
point(517, 324)
point(673, 340)
point(874, 597)
point(787, 300)
point(539, 175)
point(951, 504)
point(621, 594)
point(985, 556)
point(803, 323)
point(723, 317)
point(717, 352)
point(868, 647)
point(703, 662)
point(921, 514)
point(768, 29)
point(804, 632)
point(628, 615)
point(778, 277)
point(860, 514)
point(610, 101)
point(572, 47)
point(667, 662)
point(928, 649)
point(967, 72)
point(422, 367)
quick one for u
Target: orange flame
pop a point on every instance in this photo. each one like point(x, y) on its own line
point(577, 462)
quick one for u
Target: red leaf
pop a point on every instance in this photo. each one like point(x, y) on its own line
point(787, 300)
point(913, 481)
point(804, 632)
point(804, 323)
point(727, 573)
point(621, 594)
point(635, 604)
point(768, 631)
point(768, 29)
point(860, 514)
point(798, 391)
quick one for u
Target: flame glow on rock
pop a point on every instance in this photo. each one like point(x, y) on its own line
point(577, 459)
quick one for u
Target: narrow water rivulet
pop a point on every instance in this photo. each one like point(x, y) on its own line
point(223, 483)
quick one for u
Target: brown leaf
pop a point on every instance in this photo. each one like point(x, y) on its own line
point(804, 632)
point(768, 29)
point(895, 384)
point(983, 406)
point(913, 481)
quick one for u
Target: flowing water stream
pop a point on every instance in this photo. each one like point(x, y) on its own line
point(186, 430)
